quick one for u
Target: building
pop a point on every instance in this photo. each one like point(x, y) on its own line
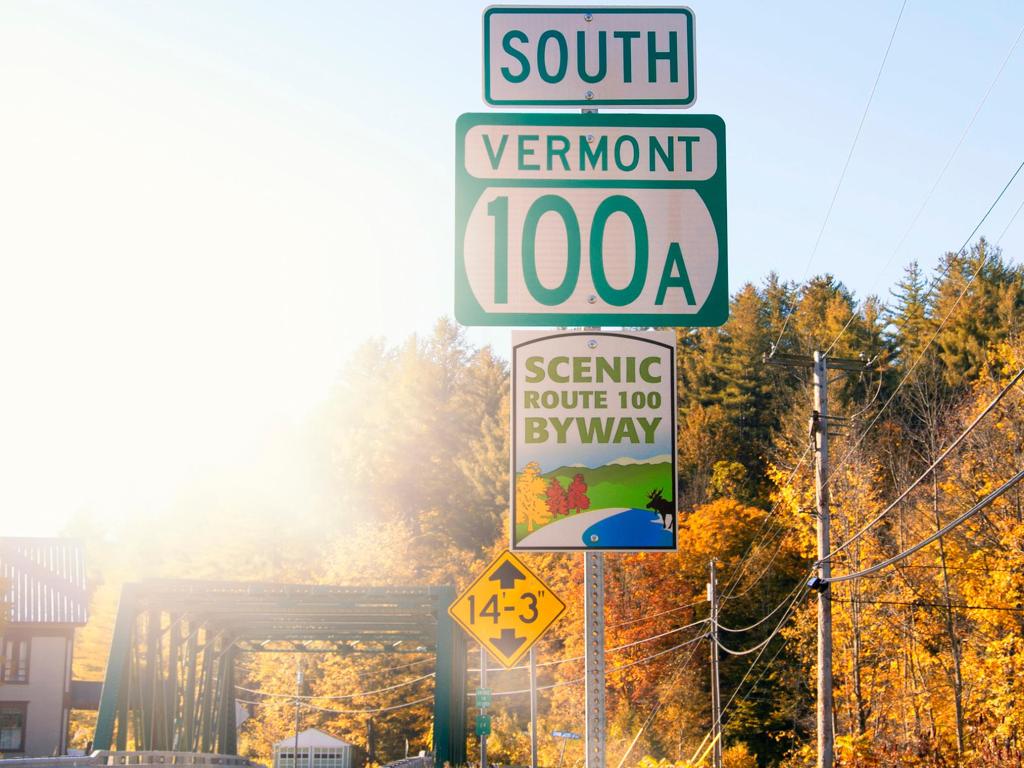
point(316, 750)
point(42, 588)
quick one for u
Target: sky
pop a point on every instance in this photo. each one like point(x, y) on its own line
point(206, 206)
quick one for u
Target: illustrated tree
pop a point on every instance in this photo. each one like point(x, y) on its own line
point(531, 498)
point(577, 498)
point(558, 500)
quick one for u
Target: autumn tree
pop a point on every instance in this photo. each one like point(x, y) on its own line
point(576, 498)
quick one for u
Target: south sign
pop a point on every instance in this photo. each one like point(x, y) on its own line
point(591, 219)
point(559, 56)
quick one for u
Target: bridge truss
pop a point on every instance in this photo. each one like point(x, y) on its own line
point(171, 674)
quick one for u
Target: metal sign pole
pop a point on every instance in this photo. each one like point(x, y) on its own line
point(533, 708)
point(483, 684)
point(593, 581)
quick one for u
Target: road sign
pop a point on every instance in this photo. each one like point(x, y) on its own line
point(507, 609)
point(561, 56)
point(565, 735)
point(593, 441)
point(590, 219)
point(483, 697)
point(483, 725)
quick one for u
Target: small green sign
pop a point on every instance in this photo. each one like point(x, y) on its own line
point(483, 697)
point(590, 220)
point(483, 725)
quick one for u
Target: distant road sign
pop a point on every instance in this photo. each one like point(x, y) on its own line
point(507, 609)
point(565, 735)
point(483, 697)
point(483, 725)
point(572, 56)
point(592, 219)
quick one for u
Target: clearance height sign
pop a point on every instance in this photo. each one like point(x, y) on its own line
point(591, 219)
point(593, 441)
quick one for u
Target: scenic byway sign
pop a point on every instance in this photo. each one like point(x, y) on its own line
point(590, 219)
point(560, 56)
point(507, 609)
point(593, 441)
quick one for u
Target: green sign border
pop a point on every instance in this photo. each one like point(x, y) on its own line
point(514, 10)
point(468, 190)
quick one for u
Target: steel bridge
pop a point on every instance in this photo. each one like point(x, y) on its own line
point(171, 674)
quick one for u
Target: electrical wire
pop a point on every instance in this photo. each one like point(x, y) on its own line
point(611, 670)
point(938, 179)
point(934, 537)
point(846, 165)
point(650, 616)
point(617, 648)
point(906, 377)
point(941, 457)
point(733, 581)
point(358, 694)
point(764, 618)
point(914, 604)
point(375, 711)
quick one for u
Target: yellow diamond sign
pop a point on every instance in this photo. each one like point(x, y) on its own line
point(507, 609)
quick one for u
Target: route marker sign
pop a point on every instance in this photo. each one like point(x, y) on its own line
point(483, 725)
point(593, 441)
point(572, 56)
point(590, 219)
point(507, 609)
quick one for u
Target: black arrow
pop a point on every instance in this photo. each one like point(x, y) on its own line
point(506, 575)
point(508, 643)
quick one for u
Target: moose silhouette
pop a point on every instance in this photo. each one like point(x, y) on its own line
point(662, 506)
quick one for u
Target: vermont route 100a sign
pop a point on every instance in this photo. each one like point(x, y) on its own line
point(593, 441)
point(590, 219)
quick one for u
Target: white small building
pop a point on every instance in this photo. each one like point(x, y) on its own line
point(316, 750)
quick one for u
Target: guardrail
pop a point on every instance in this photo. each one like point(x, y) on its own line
point(148, 759)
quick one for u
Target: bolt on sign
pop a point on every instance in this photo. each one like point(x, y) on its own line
point(588, 57)
point(590, 219)
point(507, 609)
point(593, 441)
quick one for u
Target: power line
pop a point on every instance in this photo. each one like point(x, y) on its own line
point(934, 537)
point(934, 336)
point(358, 694)
point(615, 649)
point(938, 179)
point(915, 604)
point(941, 457)
point(374, 711)
point(769, 517)
point(764, 618)
point(846, 165)
point(650, 616)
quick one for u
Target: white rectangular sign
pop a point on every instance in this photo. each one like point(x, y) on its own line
point(573, 56)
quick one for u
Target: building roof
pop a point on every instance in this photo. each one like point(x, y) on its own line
point(311, 737)
point(43, 580)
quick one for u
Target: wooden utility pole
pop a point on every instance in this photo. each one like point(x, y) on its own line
point(820, 365)
point(716, 699)
point(819, 429)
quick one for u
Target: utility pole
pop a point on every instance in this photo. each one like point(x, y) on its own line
point(298, 699)
point(820, 365)
point(819, 428)
point(716, 699)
